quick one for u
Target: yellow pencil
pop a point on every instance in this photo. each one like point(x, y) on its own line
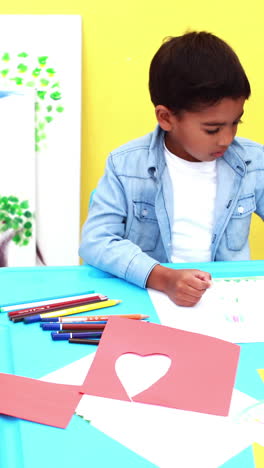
point(72, 310)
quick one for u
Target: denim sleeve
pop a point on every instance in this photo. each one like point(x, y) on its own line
point(103, 244)
point(259, 193)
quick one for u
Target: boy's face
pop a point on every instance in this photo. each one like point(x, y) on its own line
point(203, 135)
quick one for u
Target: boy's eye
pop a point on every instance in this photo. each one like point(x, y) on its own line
point(212, 132)
point(216, 130)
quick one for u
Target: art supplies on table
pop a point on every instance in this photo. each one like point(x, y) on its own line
point(18, 315)
point(77, 329)
point(72, 310)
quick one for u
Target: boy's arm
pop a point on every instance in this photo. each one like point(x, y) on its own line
point(103, 244)
point(185, 287)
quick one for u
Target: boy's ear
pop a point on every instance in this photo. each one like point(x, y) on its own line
point(164, 115)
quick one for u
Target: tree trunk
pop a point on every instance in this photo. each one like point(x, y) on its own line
point(5, 238)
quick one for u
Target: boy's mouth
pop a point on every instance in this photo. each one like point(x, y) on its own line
point(218, 154)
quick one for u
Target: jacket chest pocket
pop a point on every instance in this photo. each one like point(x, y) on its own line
point(237, 230)
point(144, 229)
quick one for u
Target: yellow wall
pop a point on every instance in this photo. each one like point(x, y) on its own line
point(119, 40)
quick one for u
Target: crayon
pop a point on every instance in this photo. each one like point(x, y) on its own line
point(72, 310)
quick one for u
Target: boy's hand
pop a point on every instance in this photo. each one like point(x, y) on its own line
point(184, 287)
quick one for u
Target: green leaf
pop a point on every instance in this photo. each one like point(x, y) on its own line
point(24, 204)
point(41, 94)
point(42, 60)
point(56, 95)
point(59, 109)
point(13, 209)
point(50, 71)
point(37, 106)
point(48, 118)
point(22, 68)
point(23, 54)
point(17, 79)
point(49, 108)
point(36, 71)
point(56, 85)
point(16, 238)
point(6, 57)
point(25, 242)
point(14, 225)
point(4, 72)
point(12, 198)
point(28, 233)
point(31, 84)
point(27, 214)
point(44, 82)
point(28, 225)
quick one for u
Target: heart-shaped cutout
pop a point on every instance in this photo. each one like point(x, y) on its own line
point(137, 373)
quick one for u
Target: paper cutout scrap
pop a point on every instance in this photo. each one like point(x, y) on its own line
point(258, 452)
point(261, 373)
point(146, 369)
point(201, 376)
point(37, 401)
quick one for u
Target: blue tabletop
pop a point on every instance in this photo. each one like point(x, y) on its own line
point(28, 351)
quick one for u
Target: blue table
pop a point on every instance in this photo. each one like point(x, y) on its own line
point(28, 351)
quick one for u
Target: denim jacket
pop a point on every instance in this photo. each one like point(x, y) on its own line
point(128, 230)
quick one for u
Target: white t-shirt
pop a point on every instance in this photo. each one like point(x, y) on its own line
point(194, 192)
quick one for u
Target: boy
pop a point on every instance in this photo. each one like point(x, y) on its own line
point(186, 191)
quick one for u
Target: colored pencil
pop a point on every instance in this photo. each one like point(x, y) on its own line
point(17, 316)
point(83, 341)
point(72, 310)
point(49, 300)
point(93, 318)
point(58, 303)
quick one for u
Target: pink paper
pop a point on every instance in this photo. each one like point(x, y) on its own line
point(201, 376)
point(34, 400)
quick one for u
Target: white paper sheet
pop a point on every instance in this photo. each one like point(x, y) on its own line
point(168, 437)
point(232, 310)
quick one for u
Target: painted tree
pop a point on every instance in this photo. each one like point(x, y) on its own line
point(24, 71)
point(15, 224)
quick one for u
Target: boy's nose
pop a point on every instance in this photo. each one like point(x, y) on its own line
point(226, 137)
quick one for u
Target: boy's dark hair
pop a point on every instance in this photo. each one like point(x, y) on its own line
point(195, 70)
